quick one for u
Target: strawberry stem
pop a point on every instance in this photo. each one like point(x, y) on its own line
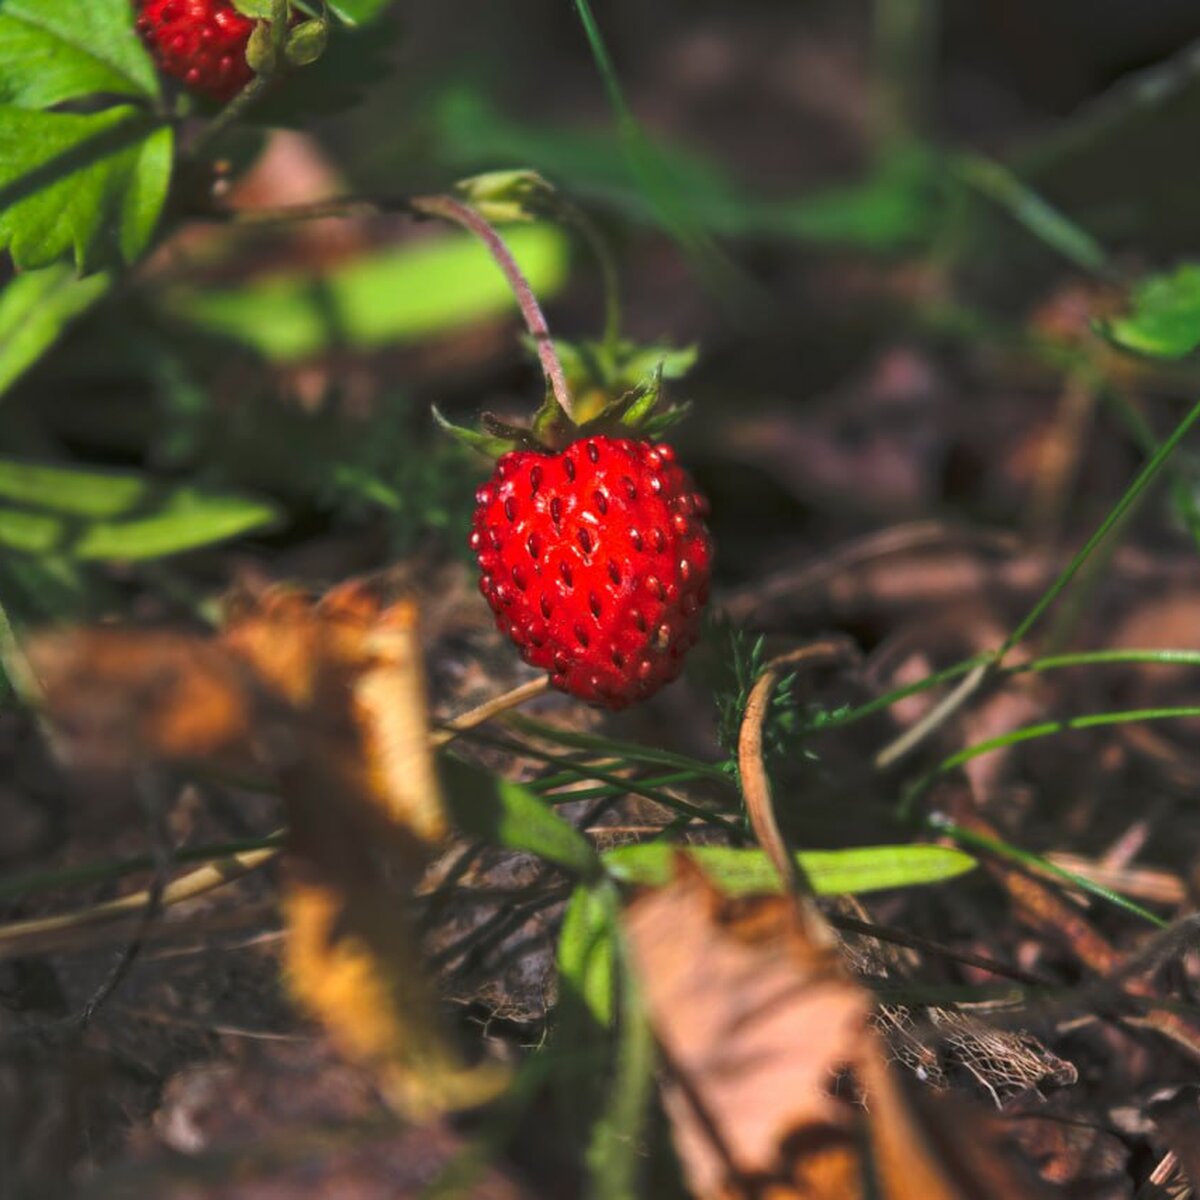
point(462, 214)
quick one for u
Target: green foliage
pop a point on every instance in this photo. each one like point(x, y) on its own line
point(622, 366)
point(90, 515)
point(56, 50)
point(1164, 318)
point(832, 872)
point(586, 950)
point(396, 295)
point(90, 185)
point(35, 309)
point(501, 813)
point(739, 661)
point(896, 206)
point(87, 185)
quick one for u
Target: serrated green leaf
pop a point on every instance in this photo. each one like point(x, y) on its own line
point(56, 50)
point(35, 309)
point(501, 813)
point(1164, 320)
point(91, 186)
point(89, 515)
point(832, 872)
point(398, 295)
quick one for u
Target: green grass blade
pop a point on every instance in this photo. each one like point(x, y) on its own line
point(832, 872)
point(1026, 858)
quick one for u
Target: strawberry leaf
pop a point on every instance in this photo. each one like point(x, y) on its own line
point(91, 186)
point(35, 309)
point(56, 50)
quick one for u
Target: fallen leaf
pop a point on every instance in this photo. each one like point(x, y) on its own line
point(327, 698)
point(775, 1082)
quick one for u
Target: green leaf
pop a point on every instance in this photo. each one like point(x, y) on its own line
point(56, 50)
point(95, 494)
point(1164, 320)
point(586, 951)
point(832, 872)
point(357, 12)
point(92, 186)
point(398, 295)
point(501, 813)
point(92, 515)
point(35, 309)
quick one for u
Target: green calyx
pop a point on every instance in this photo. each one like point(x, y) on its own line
point(606, 402)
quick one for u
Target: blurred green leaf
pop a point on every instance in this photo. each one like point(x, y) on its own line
point(832, 872)
point(356, 12)
point(90, 515)
point(91, 186)
point(35, 309)
point(402, 294)
point(501, 813)
point(586, 951)
point(73, 492)
point(56, 50)
point(1164, 320)
point(898, 205)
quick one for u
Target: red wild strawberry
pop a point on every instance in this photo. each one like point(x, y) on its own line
point(596, 562)
point(202, 42)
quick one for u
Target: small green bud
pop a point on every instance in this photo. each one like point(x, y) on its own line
point(306, 42)
point(260, 50)
point(502, 196)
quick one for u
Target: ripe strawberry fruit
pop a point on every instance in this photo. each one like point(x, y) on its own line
point(201, 42)
point(596, 561)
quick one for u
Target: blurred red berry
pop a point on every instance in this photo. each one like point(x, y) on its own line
point(201, 42)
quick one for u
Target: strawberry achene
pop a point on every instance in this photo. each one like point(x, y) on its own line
point(597, 563)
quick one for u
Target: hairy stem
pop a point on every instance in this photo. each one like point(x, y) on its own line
point(450, 209)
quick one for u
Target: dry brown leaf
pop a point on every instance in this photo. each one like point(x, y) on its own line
point(328, 698)
point(776, 1083)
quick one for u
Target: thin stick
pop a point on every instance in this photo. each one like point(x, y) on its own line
point(486, 711)
point(756, 784)
point(935, 718)
point(450, 209)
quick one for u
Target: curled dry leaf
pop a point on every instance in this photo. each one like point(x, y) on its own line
point(328, 699)
point(775, 1083)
